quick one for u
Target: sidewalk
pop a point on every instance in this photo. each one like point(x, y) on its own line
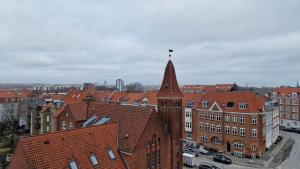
point(271, 158)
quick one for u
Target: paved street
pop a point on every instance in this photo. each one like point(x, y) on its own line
point(292, 162)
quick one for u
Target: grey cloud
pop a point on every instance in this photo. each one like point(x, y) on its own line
point(64, 41)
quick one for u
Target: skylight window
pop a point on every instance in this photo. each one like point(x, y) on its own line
point(94, 159)
point(111, 154)
point(73, 164)
point(230, 104)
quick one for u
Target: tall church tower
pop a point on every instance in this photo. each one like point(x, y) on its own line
point(169, 100)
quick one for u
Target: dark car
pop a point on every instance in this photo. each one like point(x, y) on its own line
point(222, 159)
point(207, 166)
point(279, 138)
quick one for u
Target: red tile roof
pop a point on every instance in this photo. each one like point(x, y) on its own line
point(151, 96)
point(55, 150)
point(287, 90)
point(254, 103)
point(206, 88)
point(14, 94)
point(194, 97)
point(132, 121)
point(169, 87)
point(75, 96)
point(118, 96)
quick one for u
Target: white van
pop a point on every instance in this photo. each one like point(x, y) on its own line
point(189, 159)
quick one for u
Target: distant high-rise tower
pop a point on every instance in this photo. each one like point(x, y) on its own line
point(169, 100)
point(120, 85)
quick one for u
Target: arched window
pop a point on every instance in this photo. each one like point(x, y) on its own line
point(153, 153)
point(239, 145)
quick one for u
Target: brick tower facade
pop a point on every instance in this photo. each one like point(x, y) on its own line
point(169, 100)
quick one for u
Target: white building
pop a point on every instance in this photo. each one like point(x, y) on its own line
point(271, 117)
point(120, 85)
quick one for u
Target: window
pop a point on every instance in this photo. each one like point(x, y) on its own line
point(189, 135)
point(205, 104)
point(188, 114)
point(48, 118)
point(253, 147)
point(70, 125)
point(242, 119)
point(94, 159)
point(281, 101)
point(63, 125)
point(201, 126)
point(238, 144)
point(294, 116)
point(212, 116)
point(227, 129)
point(254, 133)
point(243, 106)
point(295, 109)
point(188, 124)
point(294, 102)
point(288, 101)
point(234, 130)
point(218, 129)
point(73, 164)
point(48, 128)
point(216, 140)
point(242, 132)
point(253, 119)
point(288, 109)
point(294, 95)
point(281, 108)
point(234, 118)
point(201, 115)
point(218, 117)
point(227, 117)
point(111, 154)
point(204, 138)
point(190, 104)
point(212, 128)
point(229, 104)
point(206, 116)
point(207, 126)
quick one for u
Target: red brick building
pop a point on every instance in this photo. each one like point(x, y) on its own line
point(232, 122)
point(289, 102)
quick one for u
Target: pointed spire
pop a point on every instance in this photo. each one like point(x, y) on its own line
point(169, 87)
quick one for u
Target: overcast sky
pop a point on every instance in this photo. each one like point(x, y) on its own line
point(75, 41)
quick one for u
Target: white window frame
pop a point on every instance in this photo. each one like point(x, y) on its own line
point(254, 119)
point(254, 133)
point(242, 132)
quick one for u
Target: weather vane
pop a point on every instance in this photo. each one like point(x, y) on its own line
point(170, 51)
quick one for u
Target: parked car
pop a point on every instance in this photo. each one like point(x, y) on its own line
point(279, 138)
point(189, 160)
point(207, 166)
point(297, 130)
point(221, 158)
point(203, 151)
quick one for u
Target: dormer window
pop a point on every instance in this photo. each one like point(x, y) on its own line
point(229, 104)
point(94, 160)
point(190, 104)
point(111, 154)
point(294, 95)
point(243, 106)
point(73, 164)
point(205, 103)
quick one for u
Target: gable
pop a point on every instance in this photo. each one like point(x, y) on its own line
point(215, 107)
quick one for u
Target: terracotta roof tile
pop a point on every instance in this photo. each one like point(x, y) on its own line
point(169, 87)
point(254, 103)
point(55, 150)
point(286, 91)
